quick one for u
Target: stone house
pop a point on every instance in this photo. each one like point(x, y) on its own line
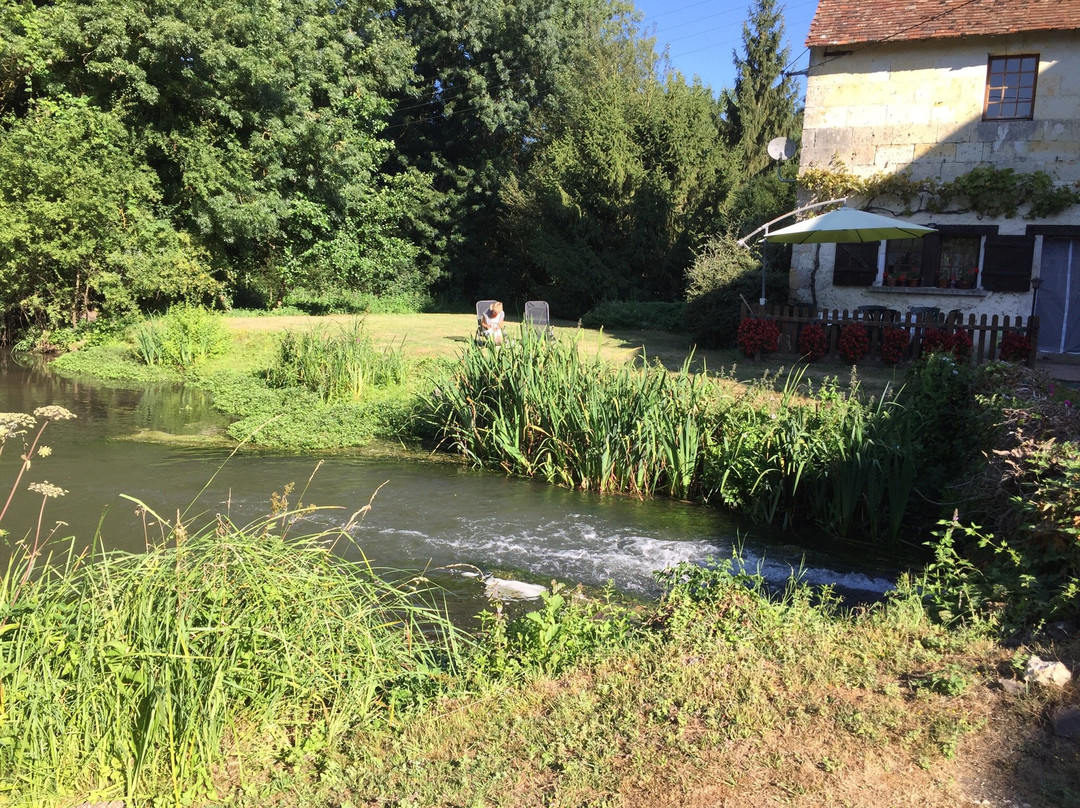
point(926, 91)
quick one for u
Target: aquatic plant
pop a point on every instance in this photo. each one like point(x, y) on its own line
point(539, 408)
point(183, 338)
point(337, 365)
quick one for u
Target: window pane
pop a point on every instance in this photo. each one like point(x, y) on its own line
point(1010, 86)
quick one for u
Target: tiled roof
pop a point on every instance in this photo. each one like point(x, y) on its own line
point(847, 22)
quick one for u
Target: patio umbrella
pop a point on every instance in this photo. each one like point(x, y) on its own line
point(847, 225)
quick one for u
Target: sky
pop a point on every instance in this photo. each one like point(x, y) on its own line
point(701, 35)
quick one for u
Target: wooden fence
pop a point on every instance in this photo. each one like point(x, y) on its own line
point(985, 332)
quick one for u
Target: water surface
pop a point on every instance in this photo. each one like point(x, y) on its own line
point(424, 517)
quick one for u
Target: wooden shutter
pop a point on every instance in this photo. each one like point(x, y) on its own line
point(1007, 263)
point(856, 264)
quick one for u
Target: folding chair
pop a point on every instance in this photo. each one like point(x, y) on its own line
point(538, 316)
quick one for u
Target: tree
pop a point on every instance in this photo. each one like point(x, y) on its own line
point(764, 102)
point(624, 186)
point(763, 105)
point(262, 120)
point(489, 76)
point(81, 224)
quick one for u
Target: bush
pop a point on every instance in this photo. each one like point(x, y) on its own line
point(646, 315)
point(758, 335)
point(958, 343)
point(1015, 347)
point(854, 343)
point(721, 274)
point(813, 343)
point(349, 301)
point(894, 344)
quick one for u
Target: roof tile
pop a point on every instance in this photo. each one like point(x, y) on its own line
point(849, 22)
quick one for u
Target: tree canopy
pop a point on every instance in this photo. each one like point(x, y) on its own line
point(157, 152)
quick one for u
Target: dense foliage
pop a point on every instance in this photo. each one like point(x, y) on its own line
point(238, 152)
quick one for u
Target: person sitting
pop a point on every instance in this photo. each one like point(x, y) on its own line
point(491, 322)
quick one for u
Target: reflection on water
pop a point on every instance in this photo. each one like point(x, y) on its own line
point(424, 516)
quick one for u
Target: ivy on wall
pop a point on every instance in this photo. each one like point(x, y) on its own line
point(984, 190)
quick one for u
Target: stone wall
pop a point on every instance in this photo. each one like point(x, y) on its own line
point(918, 106)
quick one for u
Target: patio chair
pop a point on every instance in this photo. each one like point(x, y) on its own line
point(538, 316)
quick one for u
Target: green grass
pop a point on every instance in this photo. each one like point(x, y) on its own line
point(141, 674)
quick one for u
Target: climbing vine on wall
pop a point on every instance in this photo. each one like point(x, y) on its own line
point(984, 190)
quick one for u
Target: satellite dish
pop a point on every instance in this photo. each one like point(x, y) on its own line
point(780, 148)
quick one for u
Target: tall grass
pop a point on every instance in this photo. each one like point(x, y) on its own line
point(538, 408)
point(138, 674)
point(338, 364)
point(543, 410)
point(183, 338)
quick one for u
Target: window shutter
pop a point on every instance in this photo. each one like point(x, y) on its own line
point(1007, 263)
point(856, 264)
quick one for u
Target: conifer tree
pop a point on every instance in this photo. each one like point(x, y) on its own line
point(764, 102)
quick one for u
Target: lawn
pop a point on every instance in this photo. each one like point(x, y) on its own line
point(444, 335)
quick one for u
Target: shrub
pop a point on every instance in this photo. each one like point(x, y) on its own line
point(758, 335)
point(652, 315)
point(894, 344)
point(962, 346)
point(958, 343)
point(350, 301)
point(1015, 347)
point(813, 343)
point(183, 338)
point(721, 274)
point(935, 340)
point(854, 343)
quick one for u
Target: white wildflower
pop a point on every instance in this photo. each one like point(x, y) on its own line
point(14, 423)
point(47, 489)
point(52, 412)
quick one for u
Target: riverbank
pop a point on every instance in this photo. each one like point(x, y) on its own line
point(721, 695)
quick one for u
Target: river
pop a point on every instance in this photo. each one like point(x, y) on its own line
point(159, 445)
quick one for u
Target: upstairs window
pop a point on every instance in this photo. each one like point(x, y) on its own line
point(1010, 87)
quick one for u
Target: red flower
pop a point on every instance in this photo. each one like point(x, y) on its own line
point(958, 343)
point(894, 344)
point(758, 336)
point(812, 342)
point(854, 343)
point(1015, 347)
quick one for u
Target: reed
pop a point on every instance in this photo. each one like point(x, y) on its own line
point(539, 408)
point(136, 675)
point(338, 365)
point(183, 338)
point(544, 410)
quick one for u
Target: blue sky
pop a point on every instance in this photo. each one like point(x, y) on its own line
point(701, 34)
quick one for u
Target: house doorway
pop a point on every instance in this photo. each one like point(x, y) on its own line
point(1058, 301)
